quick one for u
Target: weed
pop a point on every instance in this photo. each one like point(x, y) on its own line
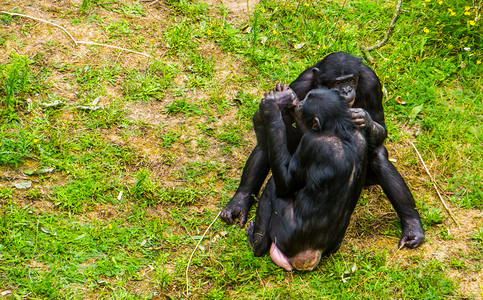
point(135, 9)
point(431, 216)
point(169, 138)
point(151, 83)
point(6, 193)
point(103, 224)
point(182, 106)
point(14, 80)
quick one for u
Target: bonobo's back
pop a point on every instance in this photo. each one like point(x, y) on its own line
point(330, 162)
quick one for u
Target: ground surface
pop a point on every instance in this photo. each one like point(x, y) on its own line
point(173, 135)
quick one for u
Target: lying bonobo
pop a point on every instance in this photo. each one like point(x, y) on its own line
point(306, 206)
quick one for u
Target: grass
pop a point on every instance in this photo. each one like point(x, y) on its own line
point(135, 184)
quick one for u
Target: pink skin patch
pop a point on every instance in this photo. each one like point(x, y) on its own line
point(279, 258)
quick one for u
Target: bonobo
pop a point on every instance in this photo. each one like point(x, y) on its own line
point(360, 88)
point(307, 204)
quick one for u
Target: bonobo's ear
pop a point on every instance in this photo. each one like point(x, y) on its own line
point(315, 124)
point(315, 77)
point(316, 72)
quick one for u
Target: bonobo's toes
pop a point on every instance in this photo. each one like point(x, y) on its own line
point(258, 242)
point(250, 229)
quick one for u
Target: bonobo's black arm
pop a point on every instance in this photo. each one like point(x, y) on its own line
point(375, 133)
point(278, 153)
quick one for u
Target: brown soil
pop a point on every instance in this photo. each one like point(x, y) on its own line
point(35, 38)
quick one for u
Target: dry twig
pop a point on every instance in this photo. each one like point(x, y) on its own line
point(366, 50)
point(435, 186)
point(74, 40)
point(196, 248)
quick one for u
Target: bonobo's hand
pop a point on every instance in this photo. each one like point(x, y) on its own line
point(285, 96)
point(412, 235)
point(269, 102)
point(361, 118)
point(238, 206)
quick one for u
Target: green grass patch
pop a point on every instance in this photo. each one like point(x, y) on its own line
point(128, 198)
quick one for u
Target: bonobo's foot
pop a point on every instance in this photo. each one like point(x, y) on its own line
point(238, 206)
point(412, 234)
point(257, 241)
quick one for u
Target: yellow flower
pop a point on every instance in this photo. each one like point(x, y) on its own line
point(440, 2)
point(36, 140)
point(467, 8)
point(152, 40)
point(208, 32)
point(324, 47)
point(427, 0)
point(306, 4)
point(437, 23)
point(274, 31)
point(467, 13)
point(450, 10)
point(453, 13)
point(109, 226)
point(450, 46)
point(472, 23)
point(478, 62)
point(263, 10)
point(426, 30)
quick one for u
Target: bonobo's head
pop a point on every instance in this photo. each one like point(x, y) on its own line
point(340, 72)
point(321, 110)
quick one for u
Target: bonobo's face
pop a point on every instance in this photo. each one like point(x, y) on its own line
point(346, 86)
point(299, 108)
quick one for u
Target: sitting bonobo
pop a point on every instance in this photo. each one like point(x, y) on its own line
point(306, 206)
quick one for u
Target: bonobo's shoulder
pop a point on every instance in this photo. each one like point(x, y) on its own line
point(325, 145)
point(321, 144)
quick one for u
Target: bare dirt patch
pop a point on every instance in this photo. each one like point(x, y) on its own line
point(57, 48)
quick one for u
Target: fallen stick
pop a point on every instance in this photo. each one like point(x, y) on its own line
point(191, 257)
point(41, 20)
point(435, 186)
point(366, 50)
point(74, 40)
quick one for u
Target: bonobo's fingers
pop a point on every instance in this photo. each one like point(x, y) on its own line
point(236, 208)
point(268, 102)
point(286, 97)
point(411, 239)
point(360, 117)
point(278, 88)
point(281, 87)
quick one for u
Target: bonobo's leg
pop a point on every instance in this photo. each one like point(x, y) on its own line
point(257, 231)
point(253, 175)
point(399, 195)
